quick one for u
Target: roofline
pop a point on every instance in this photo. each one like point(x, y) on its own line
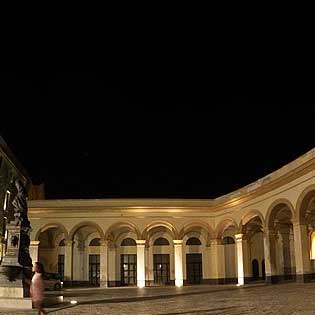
point(4, 148)
point(285, 174)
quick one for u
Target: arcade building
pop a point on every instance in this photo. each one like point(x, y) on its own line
point(264, 231)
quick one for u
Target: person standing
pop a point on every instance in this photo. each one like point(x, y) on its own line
point(37, 288)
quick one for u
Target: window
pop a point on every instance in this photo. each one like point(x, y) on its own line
point(128, 242)
point(161, 242)
point(94, 269)
point(6, 200)
point(193, 241)
point(228, 240)
point(95, 242)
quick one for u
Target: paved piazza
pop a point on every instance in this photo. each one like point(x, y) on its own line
point(290, 298)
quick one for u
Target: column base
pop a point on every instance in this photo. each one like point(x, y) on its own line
point(140, 283)
point(103, 284)
point(303, 278)
point(272, 279)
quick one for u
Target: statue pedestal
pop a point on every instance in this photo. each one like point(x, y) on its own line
point(16, 270)
point(14, 287)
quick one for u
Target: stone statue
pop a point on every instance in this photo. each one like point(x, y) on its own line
point(20, 205)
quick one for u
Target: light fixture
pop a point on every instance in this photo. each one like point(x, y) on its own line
point(73, 302)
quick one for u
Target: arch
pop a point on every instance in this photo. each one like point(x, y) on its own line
point(227, 240)
point(193, 241)
point(123, 224)
point(278, 204)
point(49, 226)
point(95, 242)
point(161, 241)
point(196, 224)
point(86, 223)
point(167, 225)
point(303, 201)
point(62, 243)
point(128, 242)
point(223, 225)
point(250, 215)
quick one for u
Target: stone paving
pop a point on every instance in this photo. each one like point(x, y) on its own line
point(288, 299)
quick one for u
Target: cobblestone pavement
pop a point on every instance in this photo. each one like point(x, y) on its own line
point(288, 299)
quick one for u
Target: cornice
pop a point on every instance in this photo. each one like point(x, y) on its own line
point(281, 177)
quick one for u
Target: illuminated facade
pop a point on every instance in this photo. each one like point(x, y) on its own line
point(263, 231)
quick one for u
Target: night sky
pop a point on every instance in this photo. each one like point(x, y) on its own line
point(84, 139)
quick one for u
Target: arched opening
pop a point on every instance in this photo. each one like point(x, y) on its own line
point(86, 239)
point(193, 261)
point(255, 269)
point(122, 254)
point(281, 242)
point(253, 246)
point(51, 249)
point(230, 256)
point(306, 212)
point(160, 256)
point(128, 262)
point(195, 238)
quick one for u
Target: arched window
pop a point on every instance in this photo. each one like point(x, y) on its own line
point(193, 241)
point(128, 242)
point(62, 243)
point(228, 240)
point(95, 242)
point(161, 242)
point(313, 245)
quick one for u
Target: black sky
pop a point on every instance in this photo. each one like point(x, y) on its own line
point(87, 140)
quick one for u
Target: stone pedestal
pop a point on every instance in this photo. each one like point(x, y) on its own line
point(16, 269)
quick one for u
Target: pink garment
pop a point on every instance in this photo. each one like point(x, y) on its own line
point(37, 288)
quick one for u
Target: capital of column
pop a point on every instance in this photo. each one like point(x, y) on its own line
point(297, 223)
point(140, 242)
point(68, 243)
point(216, 241)
point(34, 243)
point(239, 237)
point(178, 242)
point(104, 243)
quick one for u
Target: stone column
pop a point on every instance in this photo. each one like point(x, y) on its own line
point(246, 260)
point(270, 257)
point(2, 245)
point(302, 254)
point(178, 259)
point(104, 264)
point(217, 260)
point(240, 259)
point(68, 261)
point(34, 251)
point(140, 263)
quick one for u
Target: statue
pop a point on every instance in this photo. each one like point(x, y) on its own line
point(20, 206)
point(18, 230)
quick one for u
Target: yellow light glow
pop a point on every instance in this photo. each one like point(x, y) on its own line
point(313, 245)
